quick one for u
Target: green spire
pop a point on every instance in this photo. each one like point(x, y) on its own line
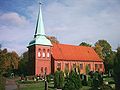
point(40, 26)
point(40, 37)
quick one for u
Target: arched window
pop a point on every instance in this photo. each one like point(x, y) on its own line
point(39, 53)
point(48, 53)
point(45, 69)
point(58, 66)
point(41, 69)
point(43, 54)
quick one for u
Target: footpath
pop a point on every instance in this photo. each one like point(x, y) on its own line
point(10, 84)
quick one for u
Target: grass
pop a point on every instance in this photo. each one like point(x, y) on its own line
point(85, 88)
point(31, 85)
point(39, 85)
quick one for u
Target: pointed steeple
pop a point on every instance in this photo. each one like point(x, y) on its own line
point(40, 37)
point(40, 24)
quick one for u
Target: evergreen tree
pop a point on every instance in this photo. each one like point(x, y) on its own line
point(117, 69)
point(73, 81)
point(59, 79)
point(87, 69)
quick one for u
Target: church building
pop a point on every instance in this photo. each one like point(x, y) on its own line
point(45, 56)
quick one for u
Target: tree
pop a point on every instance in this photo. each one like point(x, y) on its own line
point(85, 44)
point(73, 81)
point(23, 63)
point(87, 69)
point(8, 61)
point(98, 50)
point(106, 52)
point(59, 79)
point(117, 69)
point(52, 39)
point(106, 47)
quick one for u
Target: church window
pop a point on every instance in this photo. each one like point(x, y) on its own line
point(74, 65)
point(59, 66)
point(67, 66)
point(100, 65)
point(41, 69)
point(96, 66)
point(81, 66)
point(39, 53)
point(48, 53)
point(45, 69)
point(89, 66)
point(43, 54)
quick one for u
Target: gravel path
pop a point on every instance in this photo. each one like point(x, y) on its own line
point(10, 84)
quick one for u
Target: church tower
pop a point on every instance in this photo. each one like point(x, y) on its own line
point(39, 50)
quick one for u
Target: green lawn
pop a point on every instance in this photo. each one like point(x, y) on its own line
point(34, 85)
point(31, 85)
point(40, 86)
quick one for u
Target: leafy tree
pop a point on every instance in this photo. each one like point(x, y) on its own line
point(117, 69)
point(8, 61)
point(106, 52)
point(85, 44)
point(52, 39)
point(106, 47)
point(98, 50)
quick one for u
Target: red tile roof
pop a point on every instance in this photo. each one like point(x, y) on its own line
point(71, 52)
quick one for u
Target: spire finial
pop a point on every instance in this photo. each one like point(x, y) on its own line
point(40, 26)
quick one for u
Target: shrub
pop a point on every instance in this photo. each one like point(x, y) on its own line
point(97, 80)
point(50, 78)
point(90, 81)
point(84, 81)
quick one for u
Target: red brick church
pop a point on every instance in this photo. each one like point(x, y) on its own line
point(47, 57)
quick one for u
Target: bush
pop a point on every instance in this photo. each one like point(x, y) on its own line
point(90, 81)
point(84, 81)
point(50, 78)
point(97, 80)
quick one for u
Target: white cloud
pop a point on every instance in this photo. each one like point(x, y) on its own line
point(16, 31)
point(13, 18)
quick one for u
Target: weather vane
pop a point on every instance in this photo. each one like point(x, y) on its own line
point(40, 2)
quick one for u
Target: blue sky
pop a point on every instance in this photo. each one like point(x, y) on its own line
point(71, 21)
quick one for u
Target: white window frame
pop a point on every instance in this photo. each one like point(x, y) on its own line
point(48, 54)
point(39, 54)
